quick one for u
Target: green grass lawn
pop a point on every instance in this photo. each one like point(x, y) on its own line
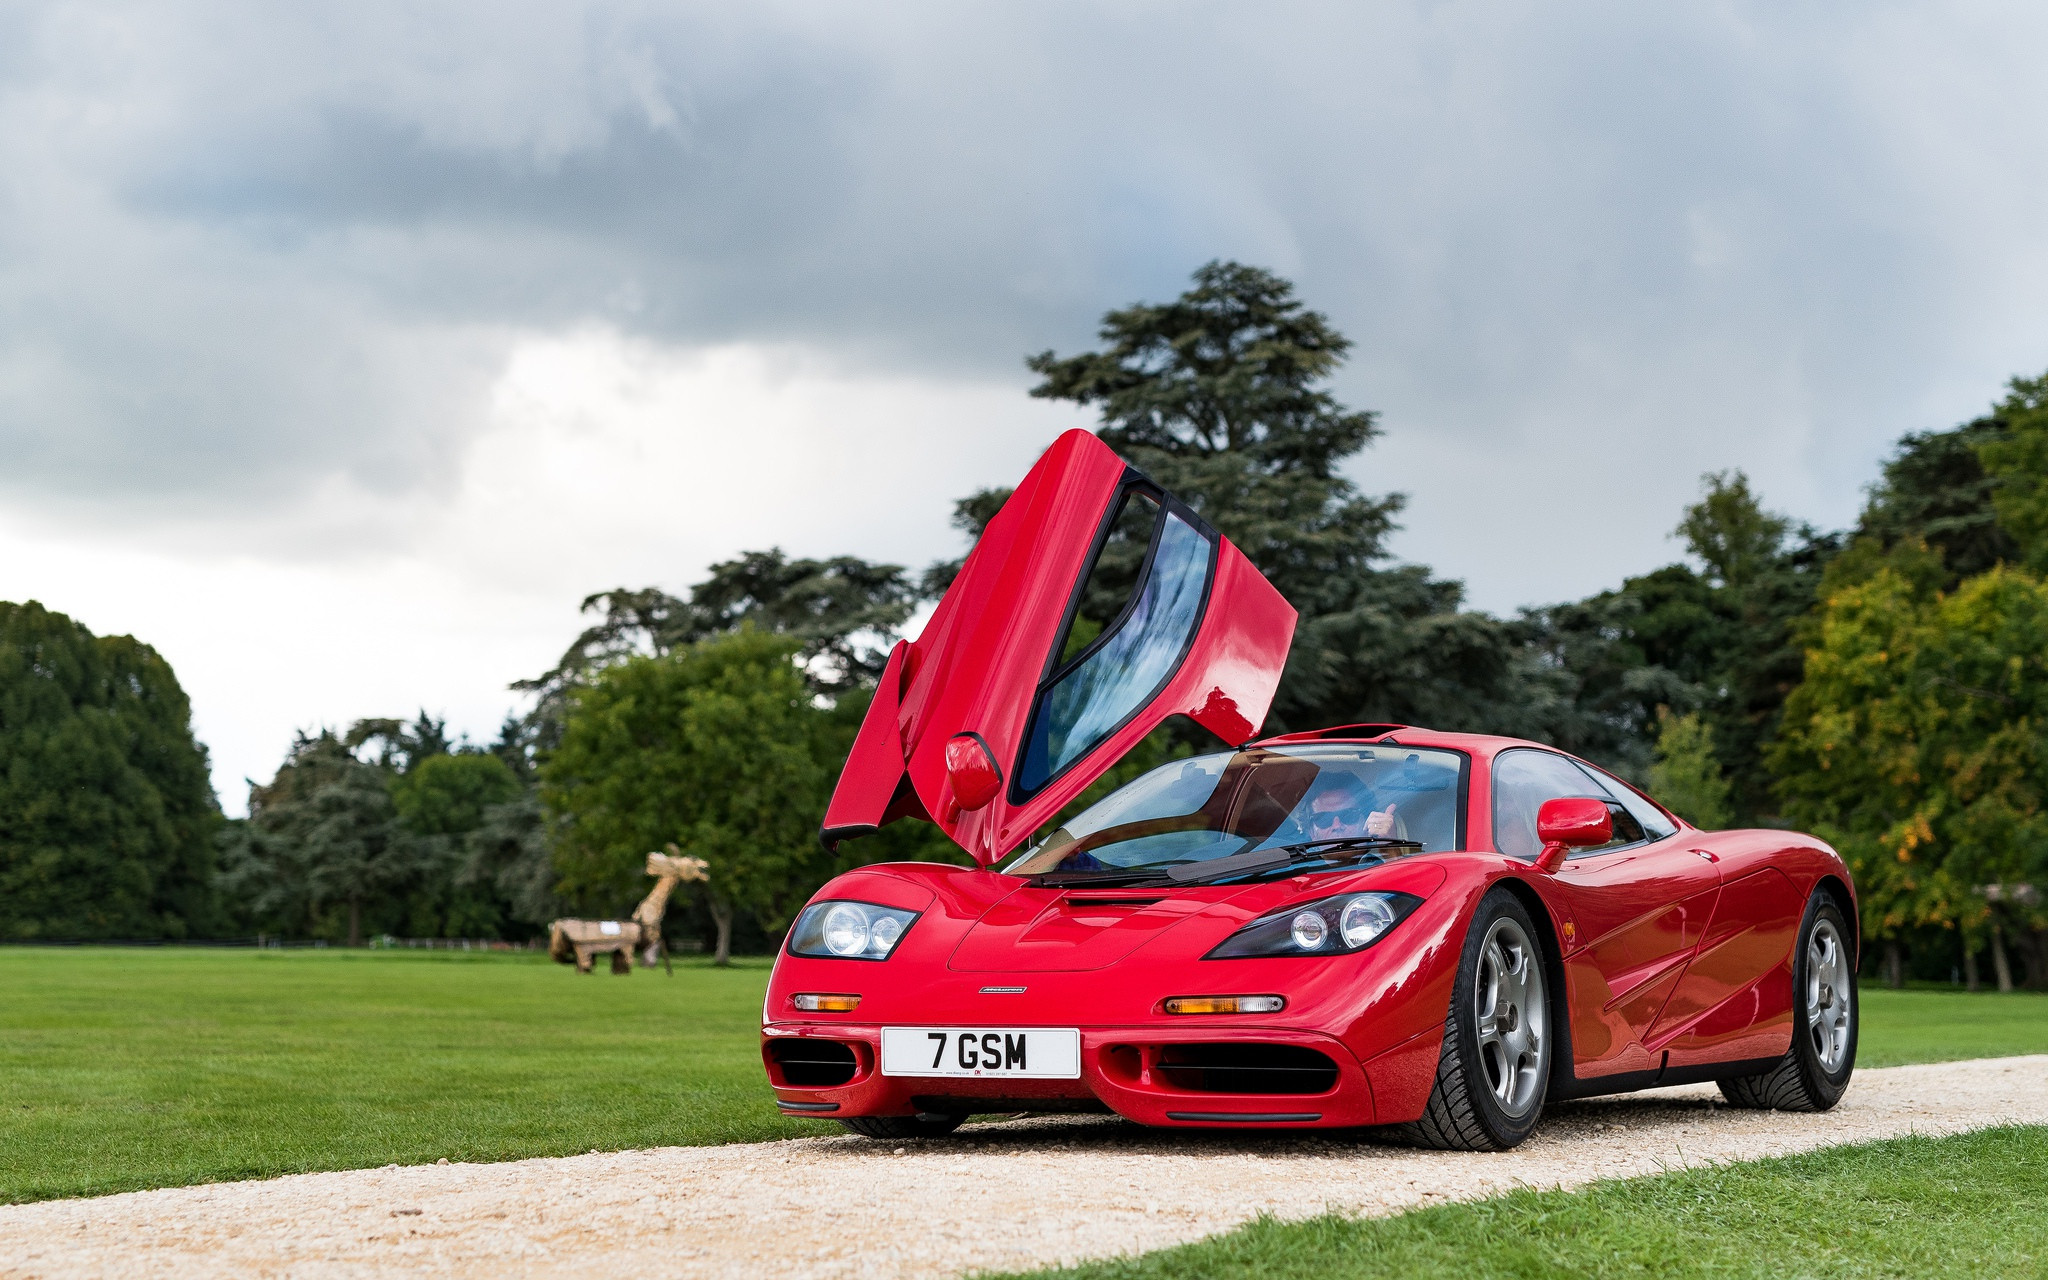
point(1971, 1205)
point(124, 1068)
point(1942, 1024)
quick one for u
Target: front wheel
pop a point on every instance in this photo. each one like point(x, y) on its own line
point(1495, 1064)
point(1815, 1070)
point(892, 1127)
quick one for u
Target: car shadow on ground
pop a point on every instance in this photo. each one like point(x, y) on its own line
point(1638, 1117)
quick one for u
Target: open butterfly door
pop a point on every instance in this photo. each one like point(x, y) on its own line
point(1094, 606)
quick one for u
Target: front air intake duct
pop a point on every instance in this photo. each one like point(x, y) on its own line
point(1245, 1068)
point(813, 1064)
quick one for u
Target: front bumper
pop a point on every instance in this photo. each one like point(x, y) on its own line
point(1130, 1070)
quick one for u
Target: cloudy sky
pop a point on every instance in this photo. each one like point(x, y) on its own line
point(344, 348)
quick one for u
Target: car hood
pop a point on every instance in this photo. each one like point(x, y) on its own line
point(988, 923)
point(1049, 930)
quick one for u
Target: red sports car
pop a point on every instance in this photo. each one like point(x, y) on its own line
point(1370, 925)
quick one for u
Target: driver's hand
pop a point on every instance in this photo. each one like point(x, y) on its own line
point(1379, 823)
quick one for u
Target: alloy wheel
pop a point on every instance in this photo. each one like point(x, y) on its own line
point(1514, 1046)
point(1828, 1008)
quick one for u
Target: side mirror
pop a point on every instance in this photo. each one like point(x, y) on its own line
point(1571, 822)
point(972, 770)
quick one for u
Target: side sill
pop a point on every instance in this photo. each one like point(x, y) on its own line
point(1631, 1081)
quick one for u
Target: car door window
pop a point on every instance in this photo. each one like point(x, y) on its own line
point(1111, 678)
point(1523, 779)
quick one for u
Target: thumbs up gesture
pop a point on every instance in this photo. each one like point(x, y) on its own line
point(1380, 822)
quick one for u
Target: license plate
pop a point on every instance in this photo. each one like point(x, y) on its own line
point(1045, 1053)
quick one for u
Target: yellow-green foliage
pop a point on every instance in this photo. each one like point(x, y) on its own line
point(1914, 742)
point(1687, 775)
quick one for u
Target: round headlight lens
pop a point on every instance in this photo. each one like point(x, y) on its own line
point(1309, 930)
point(884, 933)
point(1365, 918)
point(846, 930)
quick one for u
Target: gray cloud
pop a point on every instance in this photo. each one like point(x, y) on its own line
point(1586, 251)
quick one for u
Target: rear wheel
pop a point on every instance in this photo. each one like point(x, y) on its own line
point(1495, 1064)
point(1815, 1070)
point(918, 1126)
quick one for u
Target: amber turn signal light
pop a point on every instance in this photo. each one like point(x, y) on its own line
point(1226, 1004)
point(827, 1004)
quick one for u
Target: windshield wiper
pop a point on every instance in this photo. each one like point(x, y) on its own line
point(1285, 854)
point(1247, 863)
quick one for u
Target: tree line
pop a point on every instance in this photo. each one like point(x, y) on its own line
point(1881, 686)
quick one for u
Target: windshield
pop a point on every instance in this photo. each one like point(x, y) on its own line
point(1236, 802)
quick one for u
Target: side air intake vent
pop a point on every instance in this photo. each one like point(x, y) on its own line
point(813, 1064)
point(1246, 1068)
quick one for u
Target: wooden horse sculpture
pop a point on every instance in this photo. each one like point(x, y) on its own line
point(579, 942)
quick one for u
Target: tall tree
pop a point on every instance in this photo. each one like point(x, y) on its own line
point(107, 817)
point(1232, 369)
point(508, 856)
point(1688, 775)
point(1935, 489)
point(354, 847)
point(1765, 573)
point(842, 613)
point(717, 746)
point(1845, 758)
point(1221, 395)
point(1719, 637)
point(446, 802)
point(1731, 533)
point(389, 827)
point(2016, 460)
point(1915, 745)
point(1598, 672)
point(323, 849)
point(448, 794)
point(401, 747)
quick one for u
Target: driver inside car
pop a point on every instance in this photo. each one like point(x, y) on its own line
point(1343, 809)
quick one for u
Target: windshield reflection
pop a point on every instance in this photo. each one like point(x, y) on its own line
point(1231, 802)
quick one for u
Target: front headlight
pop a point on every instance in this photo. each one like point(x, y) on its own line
point(1333, 926)
point(848, 930)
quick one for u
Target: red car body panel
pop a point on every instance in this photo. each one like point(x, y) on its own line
point(1673, 957)
point(1667, 972)
point(984, 656)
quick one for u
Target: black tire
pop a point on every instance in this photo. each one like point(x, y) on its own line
point(893, 1127)
point(1470, 1109)
point(1825, 1021)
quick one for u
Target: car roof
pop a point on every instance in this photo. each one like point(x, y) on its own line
point(1406, 735)
point(1482, 745)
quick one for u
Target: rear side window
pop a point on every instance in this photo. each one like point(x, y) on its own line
point(1653, 821)
point(1104, 679)
point(1524, 778)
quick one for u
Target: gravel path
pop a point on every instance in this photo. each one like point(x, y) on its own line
point(1007, 1194)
